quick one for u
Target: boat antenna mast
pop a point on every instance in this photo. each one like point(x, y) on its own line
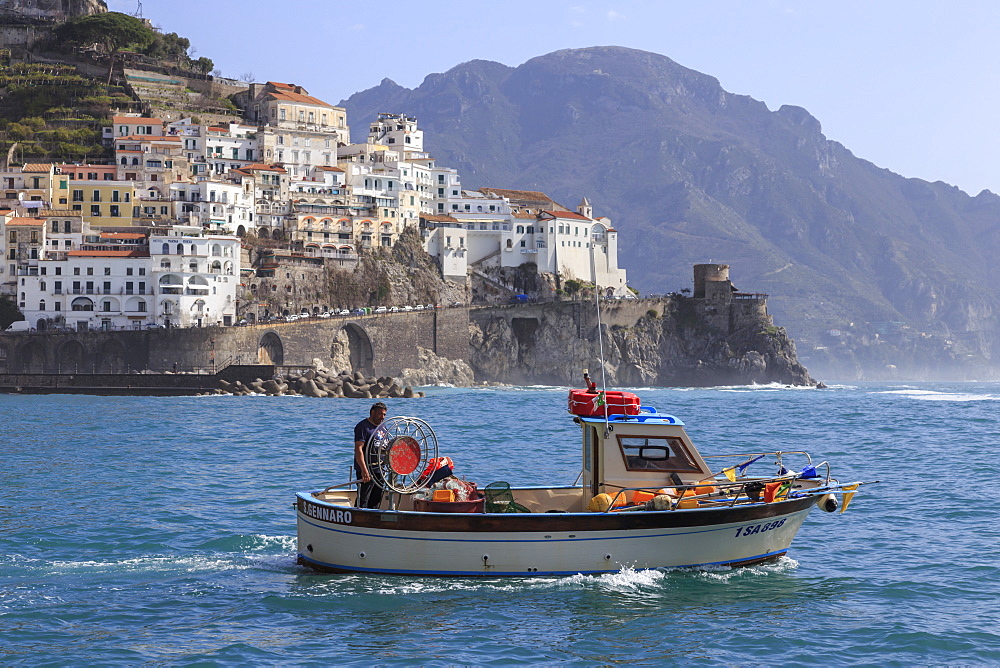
point(600, 344)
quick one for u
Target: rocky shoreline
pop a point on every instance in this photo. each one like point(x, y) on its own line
point(321, 383)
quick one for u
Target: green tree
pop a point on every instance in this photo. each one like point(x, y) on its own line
point(112, 30)
point(8, 312)
point(205, 65)
point(170, 46)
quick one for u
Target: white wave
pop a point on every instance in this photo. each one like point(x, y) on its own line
point(726, 573)
point(284, 543)
point(932, 395)
point(158, 564)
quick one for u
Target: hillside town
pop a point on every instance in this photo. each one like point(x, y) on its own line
point(161, 236)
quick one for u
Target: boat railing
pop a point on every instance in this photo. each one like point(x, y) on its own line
point(720, 494)
point(748, 458)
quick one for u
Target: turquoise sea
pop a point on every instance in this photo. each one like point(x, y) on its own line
point(139, 530)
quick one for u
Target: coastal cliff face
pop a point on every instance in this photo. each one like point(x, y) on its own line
point(674, 341)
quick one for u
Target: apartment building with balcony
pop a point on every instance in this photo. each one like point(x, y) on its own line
point(295, 129)
point(120, 279)
point(221, 206)
point(103, 202)
point(33, 185)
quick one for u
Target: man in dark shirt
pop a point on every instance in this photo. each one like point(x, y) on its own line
point(369, 493)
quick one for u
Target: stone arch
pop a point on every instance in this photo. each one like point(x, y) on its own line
point(71, 358)
point(112, 358)
point(351, 349)
point(270, 350)
point(31, 357)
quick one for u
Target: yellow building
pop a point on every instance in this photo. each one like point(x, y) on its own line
point(105, 202)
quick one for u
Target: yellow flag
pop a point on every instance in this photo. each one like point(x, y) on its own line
point(847, 497)
point(730, 473)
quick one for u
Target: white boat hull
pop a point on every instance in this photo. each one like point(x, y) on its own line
point(345, 539)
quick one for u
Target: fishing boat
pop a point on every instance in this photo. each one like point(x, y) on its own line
point(646, 498)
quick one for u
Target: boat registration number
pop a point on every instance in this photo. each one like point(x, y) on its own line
point(758, 528)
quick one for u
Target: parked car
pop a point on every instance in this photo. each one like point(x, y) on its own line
point(393, 309)
point(406, 308)
point(358, 311)
point(382, 309)
point(344, 311)
point(153, 325)
point(242, 322)
point(418, 307)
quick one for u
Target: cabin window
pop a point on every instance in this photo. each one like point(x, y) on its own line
point(653, 453)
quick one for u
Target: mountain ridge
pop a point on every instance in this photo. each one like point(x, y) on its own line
point(690, 173)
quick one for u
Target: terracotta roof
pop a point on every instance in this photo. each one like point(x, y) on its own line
point(171, 138)
point(36, 167)
point(325, 168)
point(109, 253)
point(59, 213)
point(134, 119)
point(25, 222)
point(122, 235)
point(519, 195)
point(291, 96)
point(567, 214)
point(524, 214)
point(439, 219)
point(261, 167)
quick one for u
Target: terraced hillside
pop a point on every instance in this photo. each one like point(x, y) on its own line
point(55, 112)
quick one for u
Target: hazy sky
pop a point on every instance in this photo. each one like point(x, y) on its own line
point(909, 85)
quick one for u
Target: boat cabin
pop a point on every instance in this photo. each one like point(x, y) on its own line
point(637, 448)
point(650, 450)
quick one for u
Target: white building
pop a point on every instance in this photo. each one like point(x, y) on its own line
point(397, 131)
point(195, 277)
point(117, 280)
point(508, 228)
point(220, 205)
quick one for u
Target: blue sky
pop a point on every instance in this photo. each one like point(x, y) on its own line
point(911, 86)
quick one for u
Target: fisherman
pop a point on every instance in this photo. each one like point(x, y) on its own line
point(369, 493)
point(591, 385)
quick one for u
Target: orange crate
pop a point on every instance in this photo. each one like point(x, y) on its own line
point(444, 495)
point(642, 497)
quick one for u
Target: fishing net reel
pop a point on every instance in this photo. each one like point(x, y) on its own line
point(399, 454)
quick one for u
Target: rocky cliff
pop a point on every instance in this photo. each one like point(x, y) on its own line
point(673, 341)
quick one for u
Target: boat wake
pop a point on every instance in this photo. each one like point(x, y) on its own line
point(932, 395)
point(259, 552)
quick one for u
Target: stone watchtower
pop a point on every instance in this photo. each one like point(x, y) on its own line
point(711, 281)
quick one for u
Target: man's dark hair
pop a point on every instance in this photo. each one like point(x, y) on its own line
point(377, 405)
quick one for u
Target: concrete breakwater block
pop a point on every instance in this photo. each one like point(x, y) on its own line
point(321, 383)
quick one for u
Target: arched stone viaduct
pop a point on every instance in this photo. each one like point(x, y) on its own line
point(382, 344)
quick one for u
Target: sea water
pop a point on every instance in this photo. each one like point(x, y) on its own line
point(161, 530)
